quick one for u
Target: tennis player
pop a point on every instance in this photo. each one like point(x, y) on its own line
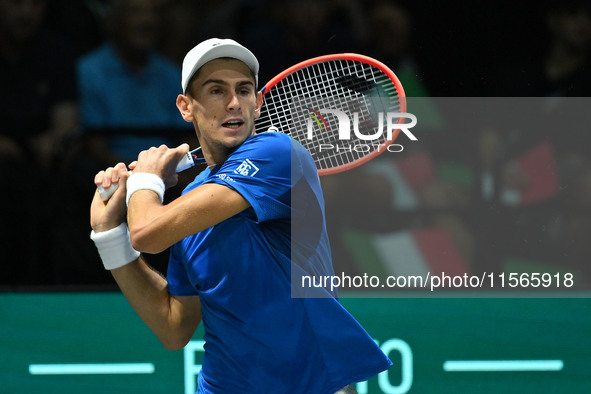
point(247, 225)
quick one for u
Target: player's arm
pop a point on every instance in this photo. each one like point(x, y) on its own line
point(155, 227)
point(173, 319)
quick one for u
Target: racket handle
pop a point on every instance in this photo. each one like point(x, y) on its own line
point(108, 192)
point(186, 162)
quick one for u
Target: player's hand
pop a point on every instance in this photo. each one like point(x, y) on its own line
point(105, 215)
point(161, 161)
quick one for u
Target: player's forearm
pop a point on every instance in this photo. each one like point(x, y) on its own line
point(154, 227)
point(146, 291)
point(147, 226)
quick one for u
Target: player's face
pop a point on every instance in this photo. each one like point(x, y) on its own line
point(224, 105)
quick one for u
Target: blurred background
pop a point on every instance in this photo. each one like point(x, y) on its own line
point(499, 181)
point(85, 84)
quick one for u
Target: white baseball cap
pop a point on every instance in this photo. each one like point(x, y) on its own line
point(215, 48)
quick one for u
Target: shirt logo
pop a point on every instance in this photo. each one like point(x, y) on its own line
point(246, 168)
point(225, 177)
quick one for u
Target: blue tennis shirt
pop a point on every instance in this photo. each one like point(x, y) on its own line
point(260, 335)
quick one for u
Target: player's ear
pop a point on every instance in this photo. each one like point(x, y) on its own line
point(257, 110)
point(183, 104)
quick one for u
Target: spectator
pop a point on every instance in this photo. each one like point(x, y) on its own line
point(126, 87)
point(561, 69)
point(297, 30)
point(544, 213)
point(78, 21)
point(179, 30)
point(38, 111)
point(400, 196)
point(126, 83)
point(388, 39)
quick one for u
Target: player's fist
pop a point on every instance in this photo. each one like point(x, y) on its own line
point(161, 161)
point(105, 215)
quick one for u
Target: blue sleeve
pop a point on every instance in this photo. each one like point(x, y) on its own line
point(260, 170)
point(176, 275)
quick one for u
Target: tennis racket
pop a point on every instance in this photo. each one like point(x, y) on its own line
point(318, 101)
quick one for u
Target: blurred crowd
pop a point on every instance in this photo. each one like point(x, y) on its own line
point(85, 84)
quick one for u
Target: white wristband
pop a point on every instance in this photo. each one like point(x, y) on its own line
point(145, 181)
point(114, 247)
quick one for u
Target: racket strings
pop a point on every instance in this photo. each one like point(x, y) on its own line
point(296, 103)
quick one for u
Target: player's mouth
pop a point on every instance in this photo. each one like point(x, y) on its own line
point(233, 124)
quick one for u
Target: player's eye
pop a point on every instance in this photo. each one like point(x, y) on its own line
point(215, 91)
point(244, 91)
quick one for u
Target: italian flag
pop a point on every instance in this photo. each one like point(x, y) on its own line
point(406, 176)
point(411, 252)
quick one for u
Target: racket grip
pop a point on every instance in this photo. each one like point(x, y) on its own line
point(185, 163)
point(108, 192)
